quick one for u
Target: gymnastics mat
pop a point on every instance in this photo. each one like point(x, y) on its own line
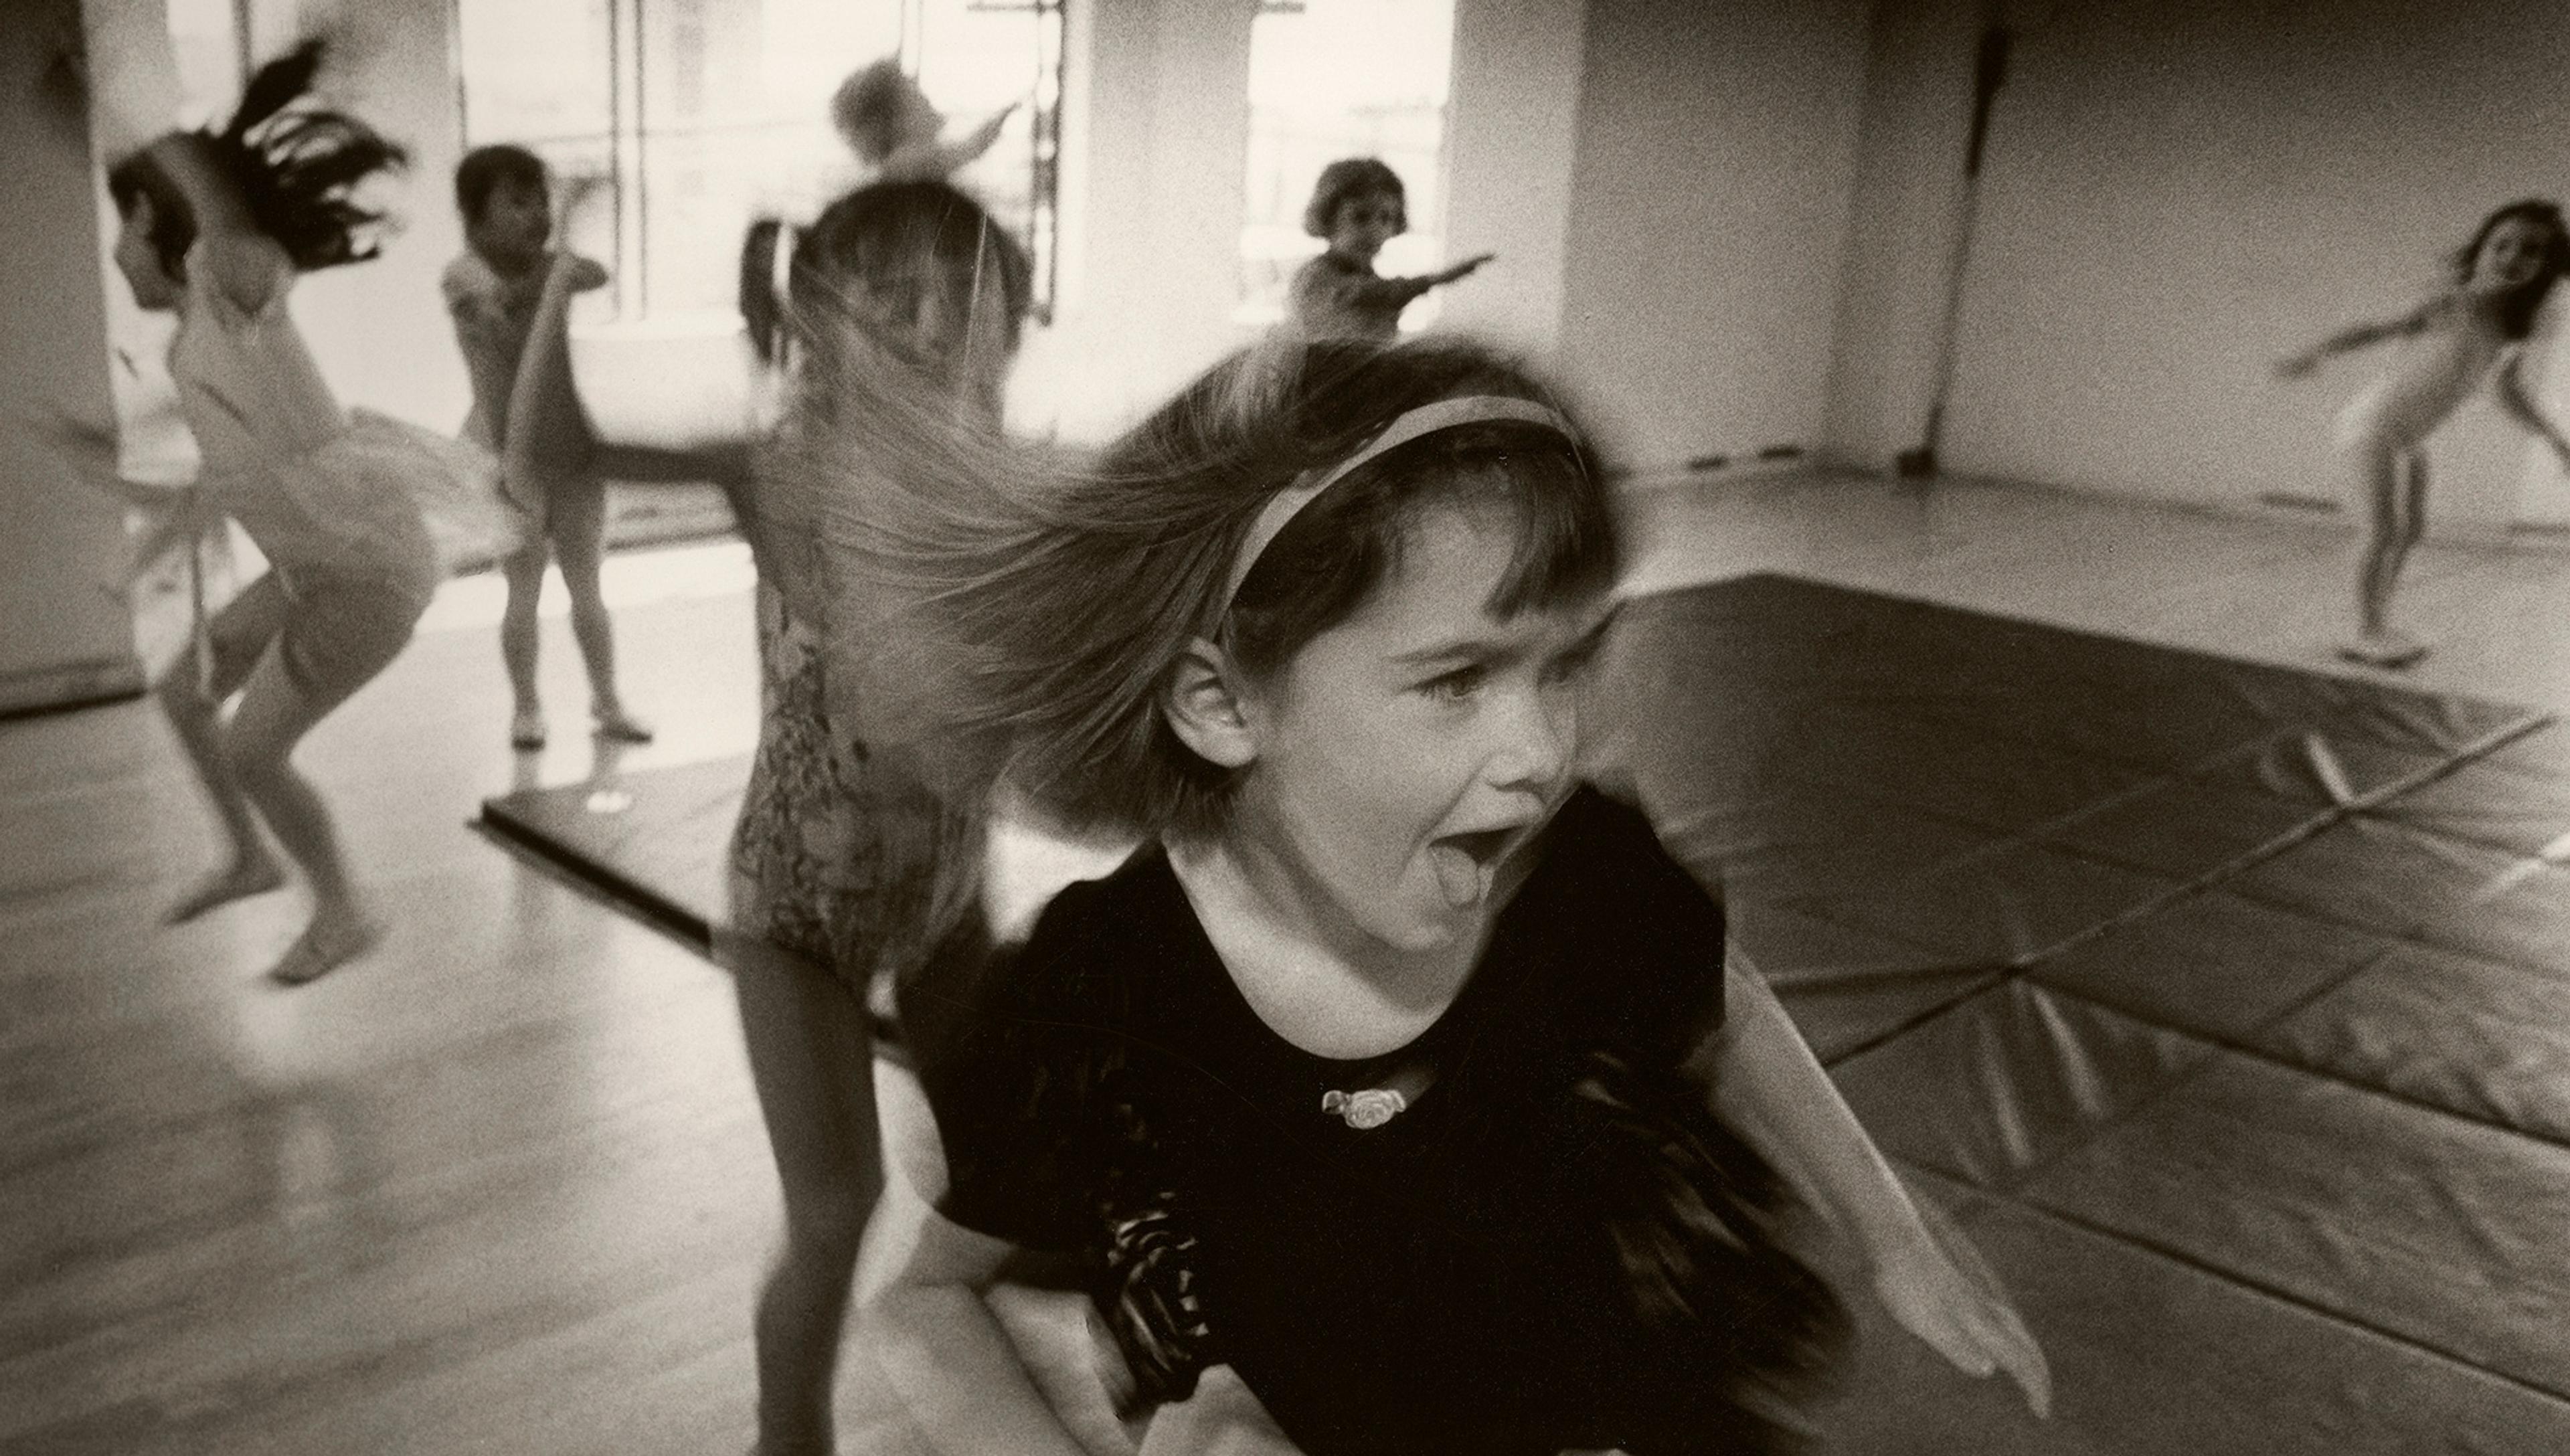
point(2228, 1006)
point(653, 843)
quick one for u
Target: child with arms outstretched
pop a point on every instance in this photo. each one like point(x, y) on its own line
point(1397, 1095)
point(2449, 345)
point(1356, 206)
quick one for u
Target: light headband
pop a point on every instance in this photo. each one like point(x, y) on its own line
point(1428, 419)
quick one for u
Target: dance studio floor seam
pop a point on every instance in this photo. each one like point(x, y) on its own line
point(2240, 969)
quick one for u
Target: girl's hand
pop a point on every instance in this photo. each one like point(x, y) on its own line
point(1222, 1418)
point(1963, 1318)
point(1467, 266)
point(2299, 366)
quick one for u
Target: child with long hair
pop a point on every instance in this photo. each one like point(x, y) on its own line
point(216, 225)
point(509, 298)
point(2450, 344)
point(847, 865)
point(1395, 1096)
point(1356, 206)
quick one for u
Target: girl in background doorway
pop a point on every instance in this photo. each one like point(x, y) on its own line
point(2449, 345)
point(1356, 206)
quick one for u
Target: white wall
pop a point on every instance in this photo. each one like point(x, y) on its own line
point(1512, 143)
point(1905, 228)
point(1717, 156)
point(64, 630)
point(1158, 160)
point(2180, 192)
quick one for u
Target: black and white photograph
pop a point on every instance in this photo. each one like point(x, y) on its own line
point(1284, 728)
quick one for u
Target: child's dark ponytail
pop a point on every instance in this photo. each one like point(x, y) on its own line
point(298, 165)
point(761, 308)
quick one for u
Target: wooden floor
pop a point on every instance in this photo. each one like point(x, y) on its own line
point(502, 1187)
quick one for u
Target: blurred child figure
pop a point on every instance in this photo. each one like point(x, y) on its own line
point(2470, 332)
point(216, 227)
point(509, 298)
point(894, 130)
point(847, 865)
point(1356, 206)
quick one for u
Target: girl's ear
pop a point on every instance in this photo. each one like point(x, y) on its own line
point(1205, 707)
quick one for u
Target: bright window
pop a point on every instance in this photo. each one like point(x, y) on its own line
point(705, 114)
point(1343, 77)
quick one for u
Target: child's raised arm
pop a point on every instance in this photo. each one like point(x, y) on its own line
point(245, 264)
point(2360, 336)
point(1769, 1086)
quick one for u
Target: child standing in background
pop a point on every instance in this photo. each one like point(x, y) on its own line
point(509, 298)
point(2470, 332)
point(1356, 206)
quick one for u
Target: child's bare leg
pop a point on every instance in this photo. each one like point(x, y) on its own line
point(247, 869)
point(577, 525)
point(809, 1052)
point(274, 714)
point(525, 573)
point(242, 633)
point(2376, 494)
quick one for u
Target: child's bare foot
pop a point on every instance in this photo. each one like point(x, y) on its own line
point(619, 726)
point(239, 880)
point(2387, 649)
point(335, 938)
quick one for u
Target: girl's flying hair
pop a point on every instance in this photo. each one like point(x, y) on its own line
point(902, 313)
point(2517, 310)
point(1029, 610)
point(298, 165)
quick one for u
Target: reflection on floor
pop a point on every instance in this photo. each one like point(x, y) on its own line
point(502, 1187)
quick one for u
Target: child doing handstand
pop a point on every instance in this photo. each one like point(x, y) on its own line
point(2449, 345)
point(1356, 206)
point(509, 298)
point(1398, 1081)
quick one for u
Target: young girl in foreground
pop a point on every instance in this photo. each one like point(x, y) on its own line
point(1356, 206)
point(216, 225)
point(1398, 1082)
point(2450, 344)
point(846, 867)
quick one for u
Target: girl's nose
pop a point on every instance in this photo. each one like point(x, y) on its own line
point(1538, 730)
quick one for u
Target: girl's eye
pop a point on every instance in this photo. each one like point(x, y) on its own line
point(1570, 664)
point(1461, 683)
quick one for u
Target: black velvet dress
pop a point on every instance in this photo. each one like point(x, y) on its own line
point(1555, 1245)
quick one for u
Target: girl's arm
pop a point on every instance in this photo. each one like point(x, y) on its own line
point(1769, 1086)
point(2519, 405)
point(940, 1345)
point(542, 390)
point(245, 262)
point(2361, 336)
